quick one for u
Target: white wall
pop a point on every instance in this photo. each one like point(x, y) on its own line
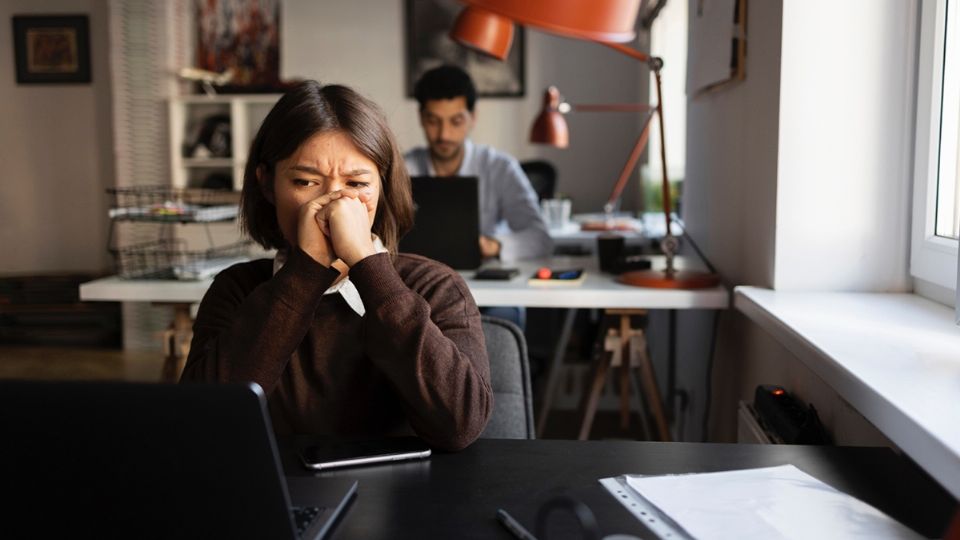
point(846, 141)
point(797, 180)
point(55, 156)
point(360, 43)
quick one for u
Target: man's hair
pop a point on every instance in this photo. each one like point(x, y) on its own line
point(445, 82)
point(309, 109)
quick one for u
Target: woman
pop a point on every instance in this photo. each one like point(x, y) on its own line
point(346, 336)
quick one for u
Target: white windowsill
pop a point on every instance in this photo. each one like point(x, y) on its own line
point(893, 357)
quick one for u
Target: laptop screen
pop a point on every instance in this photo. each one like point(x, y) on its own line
point(133, 460)
point(447, 221)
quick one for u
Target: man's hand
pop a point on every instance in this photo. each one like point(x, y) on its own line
point(489, 247)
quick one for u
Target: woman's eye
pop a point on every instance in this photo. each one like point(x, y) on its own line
point(303, 183)
point(357, 184)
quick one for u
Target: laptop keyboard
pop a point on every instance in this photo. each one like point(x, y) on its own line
point(304, 516)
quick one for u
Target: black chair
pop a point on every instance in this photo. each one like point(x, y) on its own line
point(512, 416)
point(543, 177)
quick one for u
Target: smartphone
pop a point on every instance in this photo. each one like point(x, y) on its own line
point(333, 454)
point(496, 273)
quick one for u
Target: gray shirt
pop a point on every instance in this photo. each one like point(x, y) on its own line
point(508, 204)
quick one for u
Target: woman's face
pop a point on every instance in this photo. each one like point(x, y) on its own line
point(326, 162)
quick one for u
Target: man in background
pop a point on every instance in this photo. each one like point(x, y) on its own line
point(511, 226)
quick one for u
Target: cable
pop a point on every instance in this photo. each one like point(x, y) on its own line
point(709, 386)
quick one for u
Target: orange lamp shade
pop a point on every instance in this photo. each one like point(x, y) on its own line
point(596, 20)
point(483, 31)
point(550, 127)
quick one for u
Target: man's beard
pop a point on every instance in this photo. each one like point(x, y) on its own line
point(452, 154)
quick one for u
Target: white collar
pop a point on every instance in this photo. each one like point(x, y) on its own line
point(345, 287)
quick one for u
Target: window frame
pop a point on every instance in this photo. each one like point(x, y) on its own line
point(933, 259)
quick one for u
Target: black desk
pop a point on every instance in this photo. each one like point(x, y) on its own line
point(456, 495)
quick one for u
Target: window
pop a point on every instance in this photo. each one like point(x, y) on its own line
point(936, 210)
point(668, 40)
point(948, 209)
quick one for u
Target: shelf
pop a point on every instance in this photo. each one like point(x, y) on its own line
point(208, 162)
point(187, 115)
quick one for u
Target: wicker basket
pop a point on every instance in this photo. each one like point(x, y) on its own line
point(169, 259)
point(166, 204)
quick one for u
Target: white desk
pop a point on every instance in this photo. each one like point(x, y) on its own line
point(598, 291)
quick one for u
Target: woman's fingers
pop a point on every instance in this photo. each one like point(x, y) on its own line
point(349, 225)
point(317, 205)
point(367, 199)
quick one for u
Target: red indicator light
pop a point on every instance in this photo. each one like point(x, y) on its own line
point(778, 392)
point(544, 273)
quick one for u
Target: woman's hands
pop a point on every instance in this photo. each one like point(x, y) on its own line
point(336, 227)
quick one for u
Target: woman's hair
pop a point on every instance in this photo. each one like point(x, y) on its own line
point(306, 110)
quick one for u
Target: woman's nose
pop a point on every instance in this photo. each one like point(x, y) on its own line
point(334, 184)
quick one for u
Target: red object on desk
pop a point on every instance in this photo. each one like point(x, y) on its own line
point(607, 226)
point(544, 273)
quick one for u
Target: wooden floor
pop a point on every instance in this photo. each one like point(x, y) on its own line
point(72, 363)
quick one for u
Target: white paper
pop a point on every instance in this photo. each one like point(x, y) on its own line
point(775, 502)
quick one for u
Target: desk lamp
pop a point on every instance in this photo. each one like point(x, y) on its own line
point(487, 26)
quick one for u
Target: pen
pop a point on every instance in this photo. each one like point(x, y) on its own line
point(514, 526)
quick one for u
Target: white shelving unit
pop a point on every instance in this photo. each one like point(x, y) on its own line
point(187, 113)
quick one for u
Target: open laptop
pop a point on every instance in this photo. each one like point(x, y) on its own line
point(123, 460)
point(447, 221)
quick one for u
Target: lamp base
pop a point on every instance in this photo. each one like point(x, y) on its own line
point(678, 279)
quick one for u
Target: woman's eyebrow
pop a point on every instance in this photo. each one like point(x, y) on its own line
point(314, 170)
point(307, 169)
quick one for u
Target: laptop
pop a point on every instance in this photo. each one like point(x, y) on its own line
point(132, 460)
point(446, 225)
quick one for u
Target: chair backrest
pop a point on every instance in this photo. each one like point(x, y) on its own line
point(510, 378)
point(543, 177)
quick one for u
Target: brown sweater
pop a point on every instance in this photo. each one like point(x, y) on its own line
point(416, 359)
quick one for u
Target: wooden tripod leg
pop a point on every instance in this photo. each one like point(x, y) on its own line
point(625, 374)
point(590, 410)
point(654, 402)
point(177, 342)
point(641, 411)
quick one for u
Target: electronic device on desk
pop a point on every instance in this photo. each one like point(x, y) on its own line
point(499, 274)
point(446, 225)
point(333, 454)
point(788, 419)
point(626, 263)
point(549, 276)
point(201, 463)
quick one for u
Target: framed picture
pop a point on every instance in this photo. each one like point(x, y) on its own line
point(242, 36)
point(718, 46)
point(428, 23)
point(52, 49)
